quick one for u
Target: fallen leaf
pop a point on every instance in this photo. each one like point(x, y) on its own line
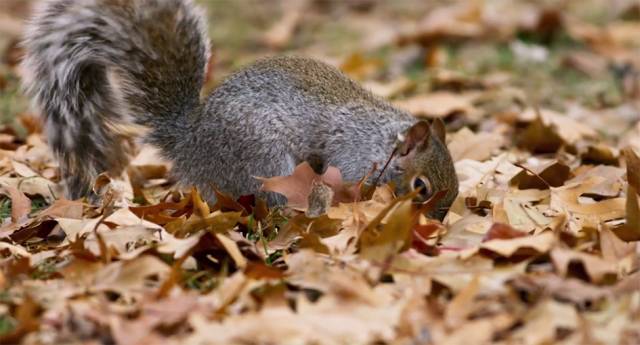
point(20, 204)
point(612, 247)
point(232, 249)
point(359, 66)
point(297, 186)
point(22, 169)
point(596, 268)
point(465, 144)
point(63, 208)
point(562, 289)
point(131, 277)
point(28, 321)
point(545, 320)
point(633, 168)
point(458, 310)
point(530, 245)
point(565, 128)
point(503, 232)
point(391, 89)
point(438, 104)
point(542, 176)
point(394, 236)
point(280, 34)
point(155, 315)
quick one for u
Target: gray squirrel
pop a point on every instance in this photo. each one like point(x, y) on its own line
point(93, 67)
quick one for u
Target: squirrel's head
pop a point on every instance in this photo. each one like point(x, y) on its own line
point(424, 163)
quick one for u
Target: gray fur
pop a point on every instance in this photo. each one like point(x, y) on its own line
point(262, 121)
point(94, 65)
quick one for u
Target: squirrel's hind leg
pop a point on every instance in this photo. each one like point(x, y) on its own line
point(241, 179)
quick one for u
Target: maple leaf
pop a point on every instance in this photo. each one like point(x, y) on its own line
point(298, 186)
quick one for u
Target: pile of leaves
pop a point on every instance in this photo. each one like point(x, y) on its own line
point(541, 245)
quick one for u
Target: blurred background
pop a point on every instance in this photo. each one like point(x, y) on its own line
point(560, 54)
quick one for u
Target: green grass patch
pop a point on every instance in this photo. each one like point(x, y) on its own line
point(7, 324)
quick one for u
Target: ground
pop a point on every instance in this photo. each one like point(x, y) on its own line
point(541, 101)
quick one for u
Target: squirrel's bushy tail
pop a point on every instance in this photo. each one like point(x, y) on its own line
point(94, 66)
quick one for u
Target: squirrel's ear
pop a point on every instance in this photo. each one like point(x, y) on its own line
point(417, 136)
point(437, 128)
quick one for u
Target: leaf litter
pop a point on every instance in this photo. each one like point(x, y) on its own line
point(541, 245)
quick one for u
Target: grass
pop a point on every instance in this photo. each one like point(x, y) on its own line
point(12, 102)
point(201, 280)
point(7, 324)
point(5, 208)
point(45, 269)
point(37, 204)
point(548, 80)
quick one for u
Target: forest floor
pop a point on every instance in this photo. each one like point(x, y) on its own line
point(541, 100)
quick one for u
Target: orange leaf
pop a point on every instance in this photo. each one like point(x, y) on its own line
point(502, 231)
point(297, 186)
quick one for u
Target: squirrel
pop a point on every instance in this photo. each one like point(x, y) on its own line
point(94, 67)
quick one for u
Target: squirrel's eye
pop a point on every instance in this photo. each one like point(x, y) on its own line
point(422, 183)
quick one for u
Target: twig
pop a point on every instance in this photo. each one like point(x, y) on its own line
point(533, 173)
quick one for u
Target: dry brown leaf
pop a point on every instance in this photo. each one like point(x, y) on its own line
point(481, 331)
point(74, 228)
point(567, 129)
point(63, 208)
point(379, 246)
point(22, 169)
point(522, 245)
point(538, 137)
point(324, 322)
point(256, 270)
point(280, 34)
point(503, 232)
point(130, 277)
point(562, 289)
point(308, 270)
point(611, 181)
point(143, 329)
point(545, 320)
point(458, 21)
point(438, 104)
point(359, 67)
point(488, 20)
point(232, 248)
point(28, 321)
point(585, 213)
point(20, 204)
point(458, 310)
point(612, 247)
point(596, 268)
point(630, 230)
point(633, 168)
point(17, 250)
point(542, 176)
point(465, 144)
point(297, 186)
point(34, 186)
point(390, 89)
